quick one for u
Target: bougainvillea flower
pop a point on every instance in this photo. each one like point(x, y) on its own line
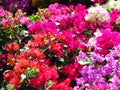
point(8, 46)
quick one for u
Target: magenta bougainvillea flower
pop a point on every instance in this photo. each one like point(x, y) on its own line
point(98, 1)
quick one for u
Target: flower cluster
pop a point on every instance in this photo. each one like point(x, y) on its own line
point(103, 72)
point(13, 5)
point(60, 48)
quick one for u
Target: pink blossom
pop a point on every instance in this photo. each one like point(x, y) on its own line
point(24, 20)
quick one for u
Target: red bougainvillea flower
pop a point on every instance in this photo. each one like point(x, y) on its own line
point(55, 46)
point(38, 40)
point(8, 47)
point(71, 70)
point(65, 85)
point(98, 1)
point(60, 53)
point(46, 73)
point(31, 44)
point(13, 78)
point(23, 55)
point(35, 63)
point(35, 52)
point(8, 75)
point(21, 65)
point(12, 46)
point(15, 81)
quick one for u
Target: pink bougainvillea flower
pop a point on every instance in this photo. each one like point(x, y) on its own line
point(5, 23)
point(24, 20)
point(34, 27)
point(114, 15)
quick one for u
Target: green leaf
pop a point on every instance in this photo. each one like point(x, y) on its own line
point(2, 88)
point(46, 41)
point(31, 72)
point(31, 18)
point(108, 9)
point(34, 18)
point(118, 21)
point(10, 87)
point(85, 61)
point(50, 83)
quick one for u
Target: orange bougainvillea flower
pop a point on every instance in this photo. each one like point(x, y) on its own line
point(15, 46)
point(12, 62)
point(9, 56)
point(62, 37)
point(6, 26)
point(39, 39)
point(11, 59)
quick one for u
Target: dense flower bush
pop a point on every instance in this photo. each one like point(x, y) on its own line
point(60, 48)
